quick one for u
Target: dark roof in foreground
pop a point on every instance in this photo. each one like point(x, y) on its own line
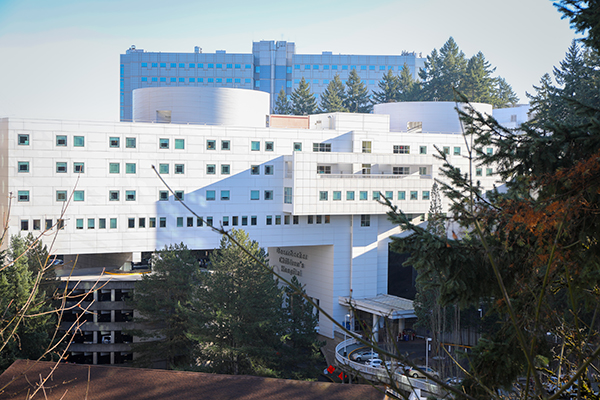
point(70, 382)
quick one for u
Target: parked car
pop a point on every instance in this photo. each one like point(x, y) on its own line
point(365, 355)
point(375, 363)
point(418, 373)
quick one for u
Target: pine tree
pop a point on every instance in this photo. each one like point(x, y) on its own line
point(390, 89)
point(282, 105)
point(443, 72)
point(477, 84)
point(357, 94)
point(332, 99)
point(302, 100)
point(504, 96)
point(408, 87)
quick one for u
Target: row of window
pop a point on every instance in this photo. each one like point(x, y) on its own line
point(194, 80)
point(404, 149)
point(364, 195)
point(194, 65)
point(345, 67)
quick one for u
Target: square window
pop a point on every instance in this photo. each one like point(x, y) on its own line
point(163, 143)
point(199, 221)
point(131, 222)
point(23, 196)
point(269, 220)
point(389, 194)
point(209, 221)
point(225, 169)
point(179, 195)
point(244, 220)
point(234, 221)
point(255, 170)
point(48, 223)
point(401, 195)
point(269, 146)
point(79, 223)
point(162, 222)
point(113, 195)
point(210, 169)
point(151, 222)
point(130, 195)
point(253, 220)
point(60, 224)
point(114, 168)
point(163, 168)
point(489, 171)
point(414, 195)
point(425, 195)
point(323, 195)
point(211, 145)
point(61, 195)
point(61, 167)
point(78, 195)
point(78, 141)
point(319, 219)
point(79, 167)
point(297, 146)
point(309, 219)
point(478, 171)
point(457, 151)
point(225, 145)
point(366, 147)
point(163, 195)
point(130, 143)
point(422, 149)
point(350, 195)
point(376, 194)
point(446, 150)
point(327, 219)
point(224, 195)
point(286, 219)
point(269, 170)
point(189, 222)
point(113, 142)
point(287, 195)
point(24, 140)
point(278, 220)
point(489, 151)
point(180, 222)
point(91, 223)
point(268, 195)
point(255, 195)
point(225, 221)
point(422, 170)
point(337, 195)
point(130, 168)
point(37, 225)
point(101, 223)
point(141, 222)
point(179, 144)
point(255, 146)
point(363, 195)
point(179, 168)
point(23, 166)
point(61, 140)
point(210, 195)
point(113, 223)
point(365, 220)
point(296, 220)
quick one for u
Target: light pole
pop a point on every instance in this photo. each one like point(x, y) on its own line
point(427, 341)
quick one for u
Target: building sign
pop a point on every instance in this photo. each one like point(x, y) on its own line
point(291, 261)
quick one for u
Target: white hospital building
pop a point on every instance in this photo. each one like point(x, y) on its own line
point(304, 187)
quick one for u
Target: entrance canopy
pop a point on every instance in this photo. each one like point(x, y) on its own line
point(384, 305)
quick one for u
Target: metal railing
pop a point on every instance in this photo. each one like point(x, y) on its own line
point(371, 176)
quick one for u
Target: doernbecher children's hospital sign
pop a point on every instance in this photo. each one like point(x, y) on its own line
point(291, 261)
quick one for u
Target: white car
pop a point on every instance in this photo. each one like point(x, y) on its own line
point(366, 355)
point(375, 363)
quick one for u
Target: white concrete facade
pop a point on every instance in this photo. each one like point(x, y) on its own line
point(307, 191)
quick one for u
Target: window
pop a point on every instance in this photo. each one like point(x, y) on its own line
point(210, 169)
point(425, 195)
point(210, 195)
point(319, 219)
point(179, 168)
point(286, 219)
point(337, 195)
point(225, 169)
point(225, 145)
point(457, 151)
point(399, 149)
point(254, 170)
point(211, 145)
point(130, 143)
point(61, 140)
point(269, 146)
point(151, 222)
point(113, 223)
point(23, 196)
point(322, 147)
point(323, 169)
point(268, 195)
point(422, 149)
point(24, 140)
point(376, 194)
point(79, 167)
point(478, 171)
point(244, 220)
point(269, 220)
point(363, 195)
point(489, 151)
point(253, 220)
point(78, 195)
point(36, 225)
point(446, 150)
point(323, 195)
point(114, 168)
point(141, 222)
point(365, 220)
point(23, 166)
point(101, 223)
point(422, 170)
point(327, 219)
point(366, 169)
point(297, 146)
point(61, 195)
point(401, 195)
point(180, 222)
point(131, 222)
point(389, 194)
point(414, 195)
point(401, 170)
point(113, 142)
point(179, 194)
point(489, 171)
point(79, 223)
point(199, 221)
point(255, 195)
point(163, 143)
point(163, 195)
point(113, 195)
point(234, 221)
point(78, 141)
point(130, 168)
point(162, 222)
point(61, 167)
point(366, 147)
point(60, 224)
point(163, 168)
point(278, 220)
point(350, 195)
point(295, 220)
point(224, 195)
point(309, 219)
point(255, 146)
point(225, 221)
point(269, 170)
point(130, 195)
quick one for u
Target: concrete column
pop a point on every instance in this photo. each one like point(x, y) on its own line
point(95, 338)
point(112, 357)
point(112, 294)
point(94, 358)
point(375, 328)
point(112, 315)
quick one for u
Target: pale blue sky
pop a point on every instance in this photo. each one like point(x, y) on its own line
point(59, 59)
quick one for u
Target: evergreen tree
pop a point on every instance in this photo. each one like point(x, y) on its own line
point(282, 105)
point(443, 72)
point(408, 87)
point(357, 94)
point(504, 95)
point(477, 84)
point(302, 100)
point(390, 89)
point(332, 99)
point(164, 300)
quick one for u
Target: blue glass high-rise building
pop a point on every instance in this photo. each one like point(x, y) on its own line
point(272, 66)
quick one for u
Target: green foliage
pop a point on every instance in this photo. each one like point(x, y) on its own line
point(164, 300)
point(302, 100)
point(357, 95)
point(409, 88)
point(390, 89)
point(332, 99)
point(477, 84)
point(584, 16)
point(443, 72)
point(282, 105)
